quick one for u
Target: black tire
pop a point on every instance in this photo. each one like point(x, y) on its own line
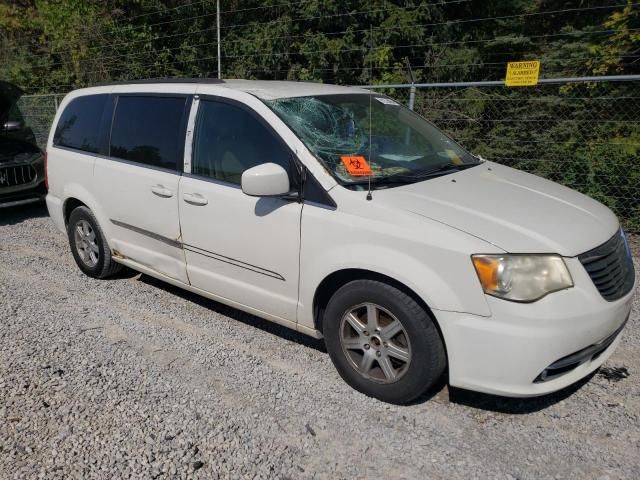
point(427, 354)
point(104, 266)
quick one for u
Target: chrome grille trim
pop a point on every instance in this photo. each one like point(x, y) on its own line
point(16, 175)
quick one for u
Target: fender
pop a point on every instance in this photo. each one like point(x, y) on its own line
point(425, 280)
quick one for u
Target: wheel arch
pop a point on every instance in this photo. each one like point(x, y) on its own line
point(336, 280)
point(70, 204)
point(77, 195)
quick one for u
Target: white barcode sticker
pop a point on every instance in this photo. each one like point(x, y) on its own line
point(387, 101)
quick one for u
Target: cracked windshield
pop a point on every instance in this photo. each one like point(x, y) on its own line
point(359, 135)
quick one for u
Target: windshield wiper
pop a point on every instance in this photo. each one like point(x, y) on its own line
point(375, 181)
point(433, 171)
point(414, 177)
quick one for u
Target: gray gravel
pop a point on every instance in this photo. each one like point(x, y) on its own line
point(133, 378)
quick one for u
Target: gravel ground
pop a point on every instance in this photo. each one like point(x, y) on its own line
point(132, 378)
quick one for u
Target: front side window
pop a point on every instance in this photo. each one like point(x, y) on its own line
point(79, 124)
point(229, 140)
point(148, 130)
point(357, 136)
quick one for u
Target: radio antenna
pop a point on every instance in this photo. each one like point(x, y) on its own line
point(369, 196)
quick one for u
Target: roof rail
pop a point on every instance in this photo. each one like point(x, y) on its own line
point(160, 80)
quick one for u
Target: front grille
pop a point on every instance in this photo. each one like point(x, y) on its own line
point(16, 175)
point(610, 266)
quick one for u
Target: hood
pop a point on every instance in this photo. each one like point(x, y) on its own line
point(9, 95)
point(513, 210)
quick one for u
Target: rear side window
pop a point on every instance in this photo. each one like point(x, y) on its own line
point(79, 124)
point(148, 130)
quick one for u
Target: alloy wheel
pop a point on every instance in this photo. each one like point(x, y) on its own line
point(86, 246)
point(375, 342)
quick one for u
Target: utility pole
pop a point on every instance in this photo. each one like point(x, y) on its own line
point(412, 97)
point(412, 88)
point(218, 35)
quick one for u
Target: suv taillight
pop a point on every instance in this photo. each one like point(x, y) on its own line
point(46, 172)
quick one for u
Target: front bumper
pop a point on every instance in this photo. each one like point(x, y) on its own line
point(509, 352)
point(30, 195)
point(18, 187)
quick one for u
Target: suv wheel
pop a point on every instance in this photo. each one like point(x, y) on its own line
point(89, 246)
point(382, 342)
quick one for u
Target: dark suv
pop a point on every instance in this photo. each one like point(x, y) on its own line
point(21, 161)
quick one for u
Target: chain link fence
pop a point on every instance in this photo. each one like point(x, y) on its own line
point(585, 135)
point(38, 112)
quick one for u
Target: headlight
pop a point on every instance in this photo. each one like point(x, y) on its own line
point(521, 278)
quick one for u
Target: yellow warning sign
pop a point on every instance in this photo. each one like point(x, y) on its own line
point(522, 74)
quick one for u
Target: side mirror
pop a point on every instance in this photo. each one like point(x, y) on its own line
point(12, 126)
point(266, 180)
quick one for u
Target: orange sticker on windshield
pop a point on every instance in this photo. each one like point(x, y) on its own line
point(356, 166)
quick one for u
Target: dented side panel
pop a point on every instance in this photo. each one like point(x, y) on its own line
point(142, 225)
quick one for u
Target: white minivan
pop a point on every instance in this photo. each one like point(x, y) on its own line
point(339, 213)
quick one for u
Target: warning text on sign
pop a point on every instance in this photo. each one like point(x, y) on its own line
point(522, 74)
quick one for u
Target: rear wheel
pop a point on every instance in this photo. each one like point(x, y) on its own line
point(89, 245)
point(382, 342)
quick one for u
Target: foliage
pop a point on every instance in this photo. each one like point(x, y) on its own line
point(567, 133)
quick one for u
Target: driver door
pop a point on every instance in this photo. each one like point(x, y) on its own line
point(239, 248)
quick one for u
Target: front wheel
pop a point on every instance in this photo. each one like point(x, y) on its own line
point(382, 342)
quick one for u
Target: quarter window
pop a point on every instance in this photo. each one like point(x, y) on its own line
point(148, 130)
point(79, 124)
point(230, 139)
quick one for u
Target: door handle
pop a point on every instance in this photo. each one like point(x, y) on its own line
point(195, 199)
point(162, 191)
